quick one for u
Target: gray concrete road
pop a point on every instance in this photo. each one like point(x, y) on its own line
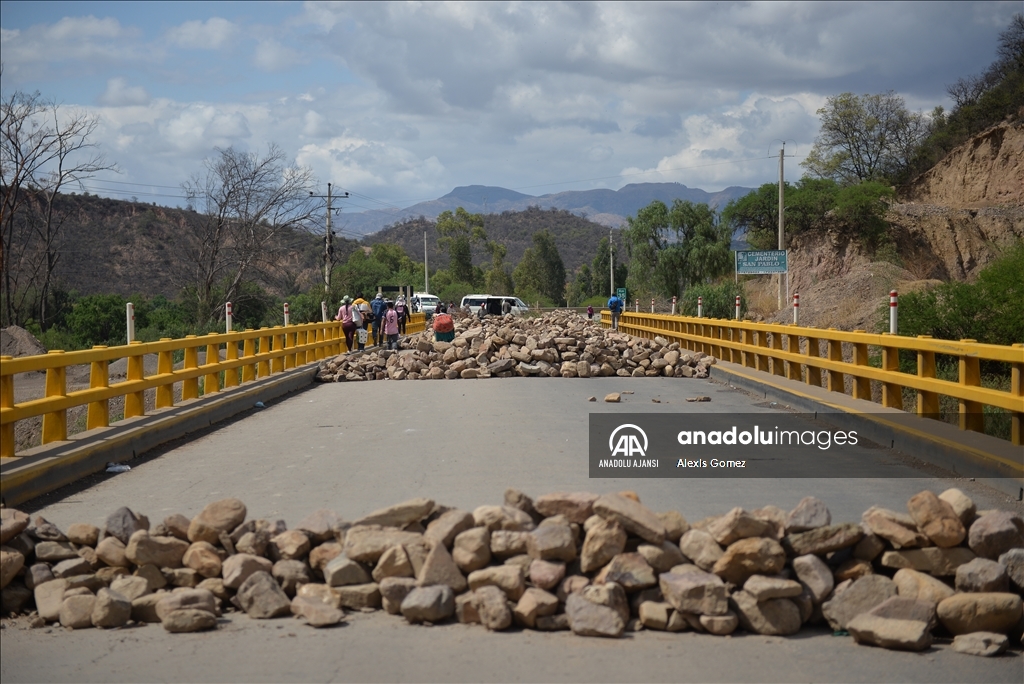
point(358, 447)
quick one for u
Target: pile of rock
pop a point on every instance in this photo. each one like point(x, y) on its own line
point(598, 565)
point(557, 344)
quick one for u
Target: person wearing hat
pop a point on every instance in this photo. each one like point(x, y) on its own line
point(403, 313)
point(348, 326)
point(378, 306)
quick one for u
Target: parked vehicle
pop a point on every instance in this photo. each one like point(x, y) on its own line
point(493, 304)
point(425, 302)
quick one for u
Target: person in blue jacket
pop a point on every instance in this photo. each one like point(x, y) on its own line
point(379, 306)
point(615, 306)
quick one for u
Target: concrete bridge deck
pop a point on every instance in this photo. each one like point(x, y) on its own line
point(355, 448)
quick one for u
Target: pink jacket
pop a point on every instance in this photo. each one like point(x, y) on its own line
point(390, 322)
point(344, 314)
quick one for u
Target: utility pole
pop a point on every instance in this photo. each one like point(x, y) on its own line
point(611, 265)
point(426, 268)
point(328, 241)
point(782, 214)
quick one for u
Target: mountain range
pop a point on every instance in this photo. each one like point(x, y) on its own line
point(606, 207)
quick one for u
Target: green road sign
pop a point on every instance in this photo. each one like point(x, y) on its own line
point(761, 262)
point(621, 293)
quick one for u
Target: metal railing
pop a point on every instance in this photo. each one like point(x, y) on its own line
point(794, 352)
point(248, 356)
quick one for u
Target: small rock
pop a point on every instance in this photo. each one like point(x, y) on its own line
point(993, 612)
point(936, 519)
point(904, 635)
point(399, 515)
point(916, 585)
point(110, 550)
point(655, 614)
point(342, 571)
point(508, 578)
point(429, 604)
point(189, 620)
point(393, 563)
point(199, 599)
point(131, 586)
point(545, 574)
point(675, 525)
point(735, 525)
point(763, 588)
point(809, 514)
point(632, 515)
point(261, 597)
point(472, 549)
point(203, 558)
point(604, 540)
point(695, 592)
point(993, 534)
point(823, 540)
point(863, 595)
point(316, 613)
point(491, 606)
point(320, 592)
point(576, 506)
point(590, 619)
point(774, 617)
point(440, 568)
point(701, 548)
point(962, 505)
point(447, 526)
point(111, 609)
point(393, 591)
point(982, 575)
point(933, 560)
point(12, 523)
point(219, 516)
point(11, 562)
point(1013, 561)
point(746, 557)
point(83, 534)
point(49, 597)
point(986, 644)
point(322, 525)
point(720, 625)
point(359, 596)
point(613, 398)
point(163, 552)
point(54, 551)
point(629, 570)
point(123, 523)
point(815, 575)
point(289, 545)
point(76, 611)
point(291, 574)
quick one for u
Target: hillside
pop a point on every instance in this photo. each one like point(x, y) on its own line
point(947, 224)
point(109, 246)
point(603, 206)
point(577, 238)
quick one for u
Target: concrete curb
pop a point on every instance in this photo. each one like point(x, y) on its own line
point(46, 468)
point(987, 459)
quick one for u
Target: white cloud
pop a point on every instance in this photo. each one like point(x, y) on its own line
point(120, 94)
point(351, 161)
point(84, 41)
point(212, 34)
point(271, 55)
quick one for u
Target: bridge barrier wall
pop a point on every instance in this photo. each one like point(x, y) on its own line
point(795, 353)
point(248, 356)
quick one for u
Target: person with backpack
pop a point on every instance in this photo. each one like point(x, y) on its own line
point(378, 307)
point(615, 306)
point(391, 326)
point(403, 314)
point(348, 326)
point(590, 312)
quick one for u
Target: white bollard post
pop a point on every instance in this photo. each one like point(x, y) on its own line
point(796, 309)
point(673, 305)
point(323, 311)
point(228, 316)
point(636, 305)
point(892, 312)
point(286, 317)
point(737, 307)
point(700, 307)
point(652, 304)
point(130, 320)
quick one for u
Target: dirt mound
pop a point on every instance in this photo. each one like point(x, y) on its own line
point(15, 341)
point(987, 170)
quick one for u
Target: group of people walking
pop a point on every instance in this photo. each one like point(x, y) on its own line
point(385, 319)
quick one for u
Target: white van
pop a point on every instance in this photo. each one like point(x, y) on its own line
point(427, 302)
point(493, 304)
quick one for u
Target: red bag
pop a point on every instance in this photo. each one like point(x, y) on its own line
point(443, 323)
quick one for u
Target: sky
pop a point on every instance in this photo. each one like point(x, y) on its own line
point(401, 102)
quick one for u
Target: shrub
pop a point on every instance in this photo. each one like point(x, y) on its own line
point(719, 300)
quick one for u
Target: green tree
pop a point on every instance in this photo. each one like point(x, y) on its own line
point(645, 237)
point(865, 137)
point(541, 269)
point(98, 319)
point(497, 280)
point(580, 287)
point(719, 300)
point(458, 233)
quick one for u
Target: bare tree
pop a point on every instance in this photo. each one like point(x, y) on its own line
point(43, 148)
point(243, 202)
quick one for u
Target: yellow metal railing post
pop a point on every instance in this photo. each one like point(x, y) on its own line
point(190, 387)
point(277, 363)
point(55, 423)
point(7, 402)
point(749, 358)
point(1017, 390)
point(971, 417)
point(99, 377)
point(836, 380)
point(761, 360)
point(165, 364)
point(892, 393)
point(248, 351)
point(793, 371)
point(861, 385)
point(812, 351)
point(263, 365)
point(927, 402)
point(231, 354)
point(211, 381)
point(135, 402)
point(289, 343)
point(778, 365)
point(320, 332)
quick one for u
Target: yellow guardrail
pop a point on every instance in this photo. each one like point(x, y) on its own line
point(794, 352)
point(263, 352)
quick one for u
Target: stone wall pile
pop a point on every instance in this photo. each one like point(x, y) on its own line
point(557, 344)
point(598, 565)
